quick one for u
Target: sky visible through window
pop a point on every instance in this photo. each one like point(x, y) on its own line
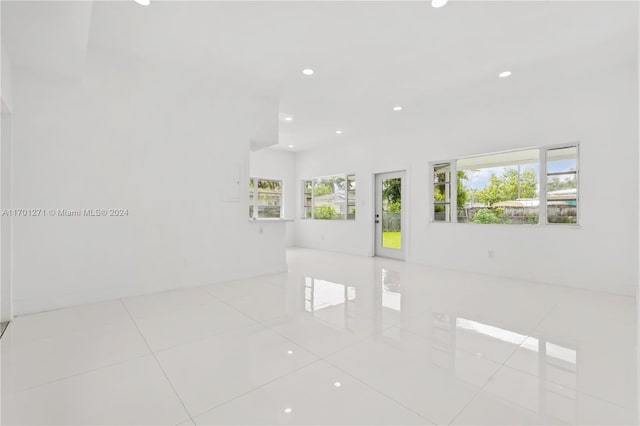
point(479, 178)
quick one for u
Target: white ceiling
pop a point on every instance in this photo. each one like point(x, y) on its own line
point(367, 56)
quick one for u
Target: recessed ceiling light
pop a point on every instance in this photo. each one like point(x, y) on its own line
point(291, 146)
point(286, 117)
point(397, 108)
point(288, 410)
point(307, 71)
point(337, 384)
point(438, 3)
point(504, 74)
point(290, 352)
point(143, 2)
point(338, 132)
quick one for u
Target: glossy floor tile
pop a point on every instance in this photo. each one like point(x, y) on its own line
point(218, 369)
point(35, 362)
point(132, 392)
point(431, 377)
point(187, 325)
point(56, 323)
point(337, 340)
point(261, 298)
point(327, 332)
point(542, 401)
point(317, 394)
point(168, 301)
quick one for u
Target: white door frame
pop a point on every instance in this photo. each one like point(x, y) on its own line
point(399, 254)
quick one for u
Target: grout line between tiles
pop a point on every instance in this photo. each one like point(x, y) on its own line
point(324, 358)
point(175, 310)
point(112, 364)
point(158, 363)
point(358, 342)
point(207, 336)
point(319, 358)
point(255, 389)
point(535, 328)
point(473, 398)
point(503, 365)
point(265, 323)
point(531, 333)
point(90, 370)
point(379, 391)
point(577, 391)
point(257, 323)
point(234, 308)
point(466, 351)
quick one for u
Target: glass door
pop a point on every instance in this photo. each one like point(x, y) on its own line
point(390, 239)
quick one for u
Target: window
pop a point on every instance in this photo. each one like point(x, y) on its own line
point(499, 188)
point(562, 185)
point(509, 187)
point(351, 197)
point(308, 198)
point(330, 198)
point(265, 198)
point(442, 192)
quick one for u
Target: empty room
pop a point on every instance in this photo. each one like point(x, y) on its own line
point(319, 212)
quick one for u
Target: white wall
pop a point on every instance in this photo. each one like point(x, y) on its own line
point(140, 137)
point(599, 109)
point(6, 305)
point(275, 164)
point(6, 74)
point(6, 100)
point(638, 280)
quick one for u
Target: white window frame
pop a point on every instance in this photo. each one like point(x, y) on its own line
point(255, 180)
point(313, 198)
point(542, 184)
point(543, 155)
point(453, 191)
point(304, 198)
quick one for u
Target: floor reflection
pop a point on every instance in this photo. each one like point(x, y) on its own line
point(322, 294)
point(535, 352)
point(490, 331)
point(391, 295)
point(542, 377)
point(330, 302)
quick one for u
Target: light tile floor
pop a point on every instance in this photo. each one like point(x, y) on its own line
point(337, 340)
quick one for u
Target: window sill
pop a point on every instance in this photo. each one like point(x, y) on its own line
point(515, 225)
point(326, 220)
point(270, 220)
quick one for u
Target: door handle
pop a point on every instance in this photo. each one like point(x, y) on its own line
point(377, 221)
